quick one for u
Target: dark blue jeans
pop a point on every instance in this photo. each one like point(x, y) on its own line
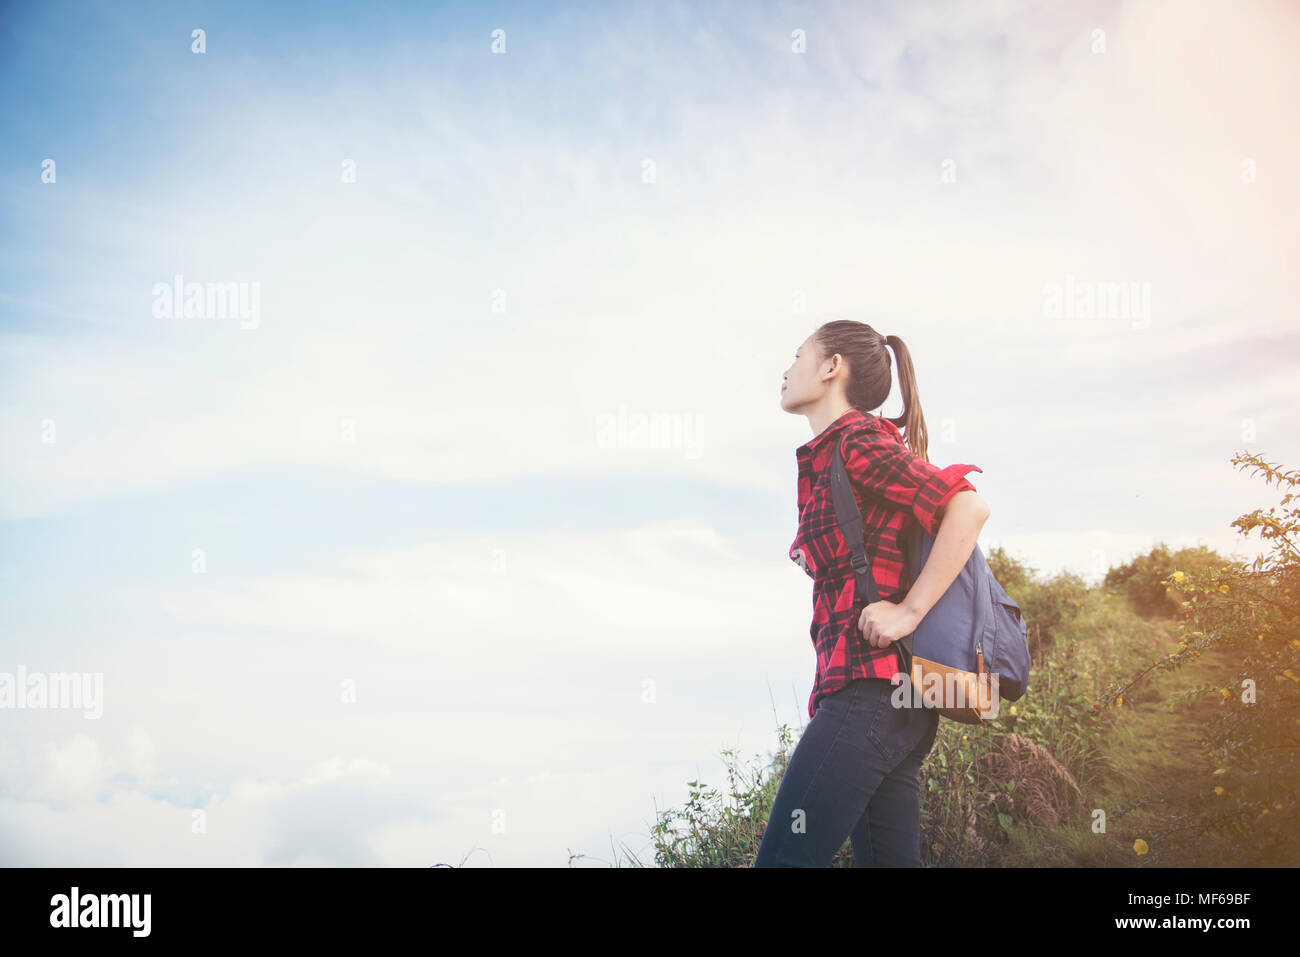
point(855, 773)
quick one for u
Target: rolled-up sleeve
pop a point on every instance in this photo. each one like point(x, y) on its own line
point(888, 472)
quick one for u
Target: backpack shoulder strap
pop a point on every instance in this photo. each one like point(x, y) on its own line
point(850, 522)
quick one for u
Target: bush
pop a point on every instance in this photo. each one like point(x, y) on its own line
point(1144, 581)
point(1252, 612)
point(1016, 792)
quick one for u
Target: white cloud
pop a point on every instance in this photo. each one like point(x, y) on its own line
point(519, 690)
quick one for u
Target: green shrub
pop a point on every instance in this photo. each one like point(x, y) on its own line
point(1012, 792)
point(1144, 580)
point(1249, 615)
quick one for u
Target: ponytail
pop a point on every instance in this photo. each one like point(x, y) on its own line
point(912, 421)
point(867, 355)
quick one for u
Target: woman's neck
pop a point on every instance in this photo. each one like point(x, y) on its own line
point(821, 418)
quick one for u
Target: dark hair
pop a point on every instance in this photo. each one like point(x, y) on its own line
point(864, 350)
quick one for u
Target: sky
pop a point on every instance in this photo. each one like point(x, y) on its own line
point(379, 571)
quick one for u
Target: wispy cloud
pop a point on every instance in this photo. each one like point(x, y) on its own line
point(617, 216)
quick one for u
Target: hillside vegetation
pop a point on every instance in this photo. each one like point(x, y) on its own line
point(1161, 728)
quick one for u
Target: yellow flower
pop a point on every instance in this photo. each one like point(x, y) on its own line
point(1179, 576)
point(1224, 589)
point(1224, 692)
point(1140, 846)
point(1119, 702)
point(1218, 789)
point(1013, 709)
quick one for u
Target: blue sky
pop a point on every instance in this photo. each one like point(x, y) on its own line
point(501, 585)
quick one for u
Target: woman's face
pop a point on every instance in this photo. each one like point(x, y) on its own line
point(802, 385)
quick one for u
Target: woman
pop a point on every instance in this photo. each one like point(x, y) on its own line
point(855, 771)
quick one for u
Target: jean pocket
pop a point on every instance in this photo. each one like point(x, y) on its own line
point(897, 725)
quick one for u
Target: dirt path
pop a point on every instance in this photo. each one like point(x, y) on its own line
point(1162, 770)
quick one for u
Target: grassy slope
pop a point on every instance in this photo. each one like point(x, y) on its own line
point(1144, 764)
point(1158, 752)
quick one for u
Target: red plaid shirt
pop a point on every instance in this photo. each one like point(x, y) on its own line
point(892, 486)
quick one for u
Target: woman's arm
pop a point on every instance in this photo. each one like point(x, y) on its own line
point(961, 519)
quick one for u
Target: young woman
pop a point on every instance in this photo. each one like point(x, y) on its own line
point(855, 771)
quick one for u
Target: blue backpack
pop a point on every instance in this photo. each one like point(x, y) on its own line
point(971, 648)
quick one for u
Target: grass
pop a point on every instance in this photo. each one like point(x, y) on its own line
point(1060, 781)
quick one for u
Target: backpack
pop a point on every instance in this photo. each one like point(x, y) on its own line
point(972, 647)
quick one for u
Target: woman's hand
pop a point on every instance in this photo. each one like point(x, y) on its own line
point(883, 622)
